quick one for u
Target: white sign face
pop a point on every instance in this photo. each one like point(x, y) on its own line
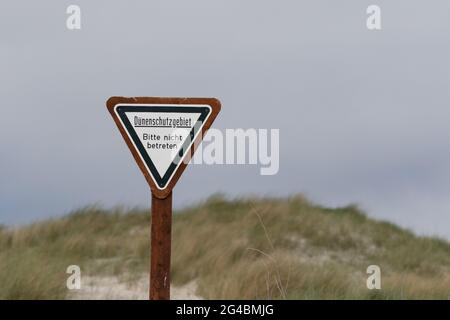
point(162, 134)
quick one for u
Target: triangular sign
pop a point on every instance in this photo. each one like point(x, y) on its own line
point(162, 132)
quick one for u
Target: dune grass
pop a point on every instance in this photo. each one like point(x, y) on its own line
point(252, 248)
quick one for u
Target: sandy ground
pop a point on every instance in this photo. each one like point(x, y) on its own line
point(110, 288)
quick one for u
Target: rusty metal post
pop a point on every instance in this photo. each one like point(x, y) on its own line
point(161, 237)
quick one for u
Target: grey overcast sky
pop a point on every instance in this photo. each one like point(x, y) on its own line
point(363, 115)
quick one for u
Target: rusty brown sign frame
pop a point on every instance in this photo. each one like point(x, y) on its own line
point(215, 109)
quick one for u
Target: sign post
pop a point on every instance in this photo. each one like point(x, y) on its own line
point(160, 248)
point(162, 135)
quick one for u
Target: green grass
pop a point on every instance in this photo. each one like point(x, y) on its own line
point(242, 248)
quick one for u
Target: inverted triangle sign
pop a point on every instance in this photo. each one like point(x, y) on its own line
point(162, 134)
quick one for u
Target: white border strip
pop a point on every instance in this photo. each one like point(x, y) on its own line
point(162, 105)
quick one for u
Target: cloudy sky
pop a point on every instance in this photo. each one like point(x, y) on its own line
point(363, 115)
